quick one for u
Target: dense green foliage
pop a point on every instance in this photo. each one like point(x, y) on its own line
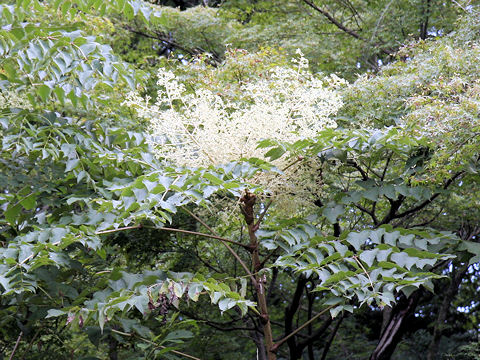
point(359, 240)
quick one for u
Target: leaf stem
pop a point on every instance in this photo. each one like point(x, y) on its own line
point(119, 229)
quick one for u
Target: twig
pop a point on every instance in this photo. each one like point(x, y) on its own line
point(280, 342)
point(298, 159)
point(204, 235)
point(326, 348)
point(233, 252)
point(262, 215)
point(16, 345)
point(155, 344)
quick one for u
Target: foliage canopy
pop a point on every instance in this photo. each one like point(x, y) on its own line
point(251, 196)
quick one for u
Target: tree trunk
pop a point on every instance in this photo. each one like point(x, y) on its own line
point(395, 327)
point(248, 200)
point(258, 339)
point(449, 295)
point(290, 312)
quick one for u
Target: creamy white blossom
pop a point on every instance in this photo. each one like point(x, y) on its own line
point(12, 99)
point(203, 128)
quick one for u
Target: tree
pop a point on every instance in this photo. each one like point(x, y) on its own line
point(323, 219)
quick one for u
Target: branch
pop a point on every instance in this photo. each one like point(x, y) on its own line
point(426, 222)
point(218, 325)
point(119, 229)
point(394, 206)
point(233, 252)
point(172, 43)
point(428, 201)
point(204, 235)
point(342, 27)
point(155, 344)
point(334, 21)
point(282, 341)
point(326, 348)
point(369, 212)
point(317, 333)
point(262, 215)
point(292, 309)
point(16, 345)
point(360, 170)
point(386, 166)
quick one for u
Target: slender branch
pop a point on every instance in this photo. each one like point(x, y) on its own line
point(33, 339)
point(204, 235)
point(298, 159)
point(433, 197)
point(364, 270)
point(326, 348)
point(218, 325)
point(172, 43)
point(369, 212)
point(155, 344)
point(233, 252)
point(309, 341)
point(333, 20)
point(16, 345)
point(386, 166)
point(199, 220)
point(224, 242)
point(360, 170)
point(282, 341)
point(262, 215)
point(266, 258)
point(426, 222)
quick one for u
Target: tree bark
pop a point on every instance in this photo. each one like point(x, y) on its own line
point(449, 295)
point(395, 327)
point(329, 342)
point(290, 313)
point(259, 341)
point(248, 202)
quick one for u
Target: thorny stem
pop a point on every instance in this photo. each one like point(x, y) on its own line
point(247, 207)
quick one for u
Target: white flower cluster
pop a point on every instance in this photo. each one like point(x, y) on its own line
point(204, 128)
point(12, 100)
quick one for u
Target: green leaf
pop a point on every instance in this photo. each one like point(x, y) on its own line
point(29, 202)
point(71, 164)
point(54, 313)
point(12, 212)
point(275, 153)
point(213, 178)
point(226, 304)
point(44, 92)
point(332, 211)
point(357, 239)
